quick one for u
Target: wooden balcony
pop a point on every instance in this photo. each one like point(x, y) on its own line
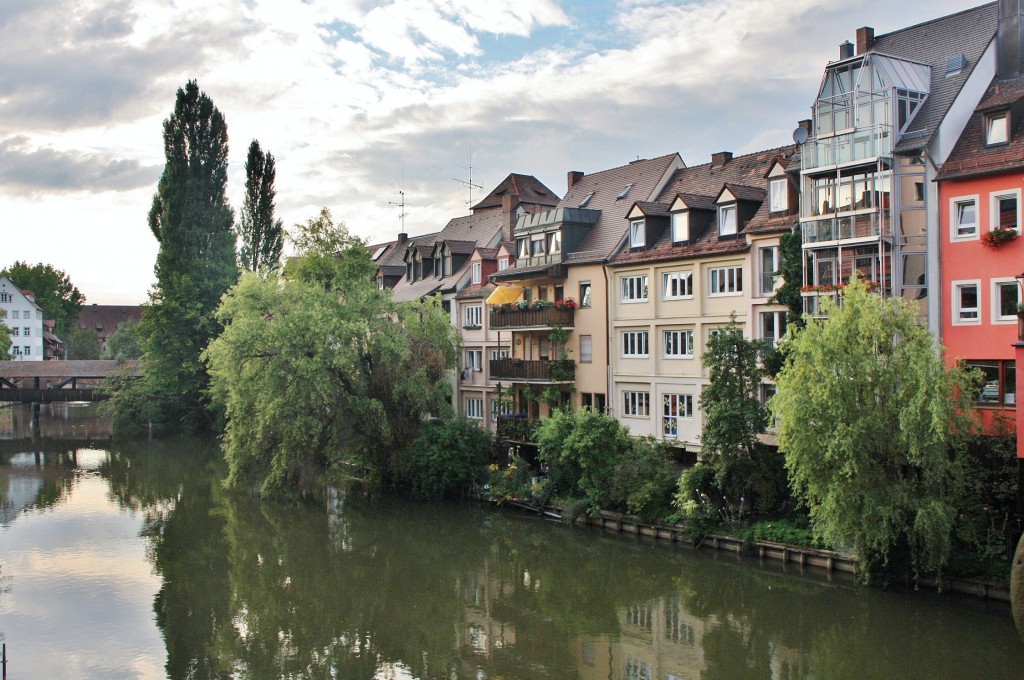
point(547, 317)
point(557, 370)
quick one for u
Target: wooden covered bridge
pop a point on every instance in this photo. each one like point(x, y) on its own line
point(41, 382)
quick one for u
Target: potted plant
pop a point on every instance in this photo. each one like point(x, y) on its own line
point(997, 236)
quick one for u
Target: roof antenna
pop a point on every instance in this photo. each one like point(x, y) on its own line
point(469, 185)
point(401, 206)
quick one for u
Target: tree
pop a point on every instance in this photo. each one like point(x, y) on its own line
point(262, 236)
point(124, 343)
point(195, 265)
point(322, 369)
point(59, 299)
point(5, 337)
point(82, 343)
point(870, 422)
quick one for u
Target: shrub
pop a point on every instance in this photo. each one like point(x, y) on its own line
point(446, 458)
point(643, 479)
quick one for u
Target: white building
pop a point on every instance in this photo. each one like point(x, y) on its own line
point(24, 317)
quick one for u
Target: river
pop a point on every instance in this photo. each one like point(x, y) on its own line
point(131, 560)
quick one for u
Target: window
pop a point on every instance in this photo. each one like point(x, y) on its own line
point(15, 313)
point(637, 669)
point(474, 359)
point(677, 285)
point(725, 280)
point(1004, 210)
point(27, 351)
point(773, 327)
point(767, 392)
point(727, 220)
point(476, 272)
point(778, 195)
point(586, 349)
point(474, 408)
point(501, 407)
point(28, 331)
point(585, 294)
point(523, 248)
point(636, 404)
point(963, 215)
point(997, 128)
point(1005, 298)
point(624, 192)
point(634, 344)
point(678, 344)
point(559, 293)
point(634, 288)
point(586, 199)
point(437, 268)
point(769, 261)
point(1000, 381)
point(555, 242)
point(500, 353)
point(473, 317)
point(966, 302)
point(14, 330)
point(680, 226)
point(5, 297)
point(636, 234)
point(502, 264)
point(15, 351)
point(537, 244)
point(674, 407)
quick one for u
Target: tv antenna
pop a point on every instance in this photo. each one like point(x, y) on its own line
point(401, 206)
point(469, 183)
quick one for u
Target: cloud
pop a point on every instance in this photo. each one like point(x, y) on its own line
point(49, 170)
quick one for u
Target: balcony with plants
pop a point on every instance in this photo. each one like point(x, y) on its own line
point(533, 314)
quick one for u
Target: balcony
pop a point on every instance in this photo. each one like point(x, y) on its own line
point(517, 427)
point(864, 225)
point(555, 370)
point(547, 317)
point(850, 147)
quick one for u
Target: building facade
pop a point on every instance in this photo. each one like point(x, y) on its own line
point(24, 318)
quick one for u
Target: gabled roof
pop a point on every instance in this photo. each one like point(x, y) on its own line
point(742, 192)
point(650, 208)
point(971, 157)
point(527, 188)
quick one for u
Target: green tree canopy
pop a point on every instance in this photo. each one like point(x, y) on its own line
point(5, 336)
point(322, 369)
point(870, 417)
point(82, 343)
point(59, 299)
point(125, 342)
point(262, 235)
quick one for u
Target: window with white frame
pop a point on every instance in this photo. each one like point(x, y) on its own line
point(966, 302)
point(586, 349)
point(634, 344)
point(15, 350)
point(637, 234)
point(1005, 297)
point(472, 316)
point(501, 407)
point(678, 344)
point(674, 407)
point(537, 245)
point(502, 264)
point(474, 408)
point(15, 314)
point(963, 217)
point(634, 288)
point(636, 404)
point(773, 327)
point(778, 192)
point(1006, 209)
point(725, 280)
point(523, 248)
point(15, 330)
point(28, 331)
point(501, 353)
point(585, 293)
point(681, 226)
point(555, 242)
point(769, 262)
point(6, 297)
point(476, 273)
point(997, 128)
point(677, 285)
point(27, 350)
point(474, 359)
point(727, 220)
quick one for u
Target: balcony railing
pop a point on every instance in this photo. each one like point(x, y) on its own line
point(554, 370)
point(517, 427)
point(849, 147)
point(842, 228)
point(532, 318)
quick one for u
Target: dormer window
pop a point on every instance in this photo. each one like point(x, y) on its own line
point(502, 264)
point(637, 234)
point(779, 195)
point(476, 273)
point(680, 226)
point(437, 268)
point(447, 262)
point(727, 220)
point(997, 128)
point(555, 242)
point(537, 243)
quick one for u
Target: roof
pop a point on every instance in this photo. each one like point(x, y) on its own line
point(743, 192)
point(527, 188)
point(105, 318)
point(650, 208)
point(971, 157)
point(481, 290)
point(970, 32)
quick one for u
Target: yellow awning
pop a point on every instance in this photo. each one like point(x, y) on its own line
point(504, 294)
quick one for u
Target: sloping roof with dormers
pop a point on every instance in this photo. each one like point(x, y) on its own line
point(971, 156)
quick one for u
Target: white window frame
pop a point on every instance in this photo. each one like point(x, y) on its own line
point(727, 226)
point(958, 317)
point(998, 123)
point(683, 281)
point(681, 226)
point(474, 360)
point(954, 218)
point(632, 287)
point(15, 331)
point(538, 245)
point(477, 269)
point(27, 350)
point(637, 234)
point(586, 349)
point(779, 319)
point(475, 408)
point(635, 344)
point(997, 286)
point(586, 294)
point(636, 404)
point(776, 281)
point(554, 242)
point(501, 353)
point(473, 315)
point(778, 195)
point(15, 314)
point(993, 206)
point(682, 405)
point(681, 338)
point(28, 331)
point(722, 288)
point(502, 264)
point(523, 248)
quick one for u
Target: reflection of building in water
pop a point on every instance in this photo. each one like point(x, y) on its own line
point(20, 489)
point(64, 420)
point(482, 632)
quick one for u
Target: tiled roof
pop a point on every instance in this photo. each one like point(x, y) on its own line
point(528, 188)
point(104, 318)
point(481, 290)
point(931, 42)
point(971, 156)
point(650, 208)
point(487, 253)
point(460, 247)
point(746, 193)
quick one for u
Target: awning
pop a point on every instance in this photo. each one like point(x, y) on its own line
point(504, 294)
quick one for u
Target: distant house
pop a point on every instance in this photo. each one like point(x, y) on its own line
point(25, 320)
point(104, 319)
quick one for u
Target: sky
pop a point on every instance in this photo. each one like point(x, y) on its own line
point(359, 101)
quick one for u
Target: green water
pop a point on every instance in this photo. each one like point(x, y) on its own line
point(132, 561)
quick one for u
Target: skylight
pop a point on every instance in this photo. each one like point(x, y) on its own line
point(624, 192)
point(379, 252)
point(586, 199)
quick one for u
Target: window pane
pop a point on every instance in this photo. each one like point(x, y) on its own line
point(996, 130)
point(1010, 383)
point(1007, 299)
point(1007, 206)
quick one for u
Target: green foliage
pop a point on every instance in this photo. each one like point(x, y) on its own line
point(512, 481)
point(784, 531)
point(261, 234)
point(82, 343)
point(446, 458)
point(124, 343)
point(792, 273)
point(59, 299)
point(321, 368)
point(869, 420)
point(644, 478)
point(192, 222)
point(5, 336)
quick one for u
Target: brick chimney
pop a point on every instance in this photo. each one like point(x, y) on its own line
point(865, 39)
point(574, 176)
point(721, 158)
point(1010, 39)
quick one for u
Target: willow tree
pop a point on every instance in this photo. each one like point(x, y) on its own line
point(262, 235)
point(870, 423)
point(320, 368)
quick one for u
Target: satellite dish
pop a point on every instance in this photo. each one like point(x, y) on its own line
point(800, 135)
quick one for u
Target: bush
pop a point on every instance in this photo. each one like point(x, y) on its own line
point(784, 531)
point(447, 458)
point(643, 479)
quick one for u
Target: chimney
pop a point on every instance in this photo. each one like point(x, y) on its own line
point(865, 39)
point(508, 217)
point(403, 237)
point(1010, 39)
point(574, 176)
point(805, 124)
point(721, 158)
point(845, 50)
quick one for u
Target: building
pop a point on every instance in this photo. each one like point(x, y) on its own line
point(24, 318)
point(104, 319)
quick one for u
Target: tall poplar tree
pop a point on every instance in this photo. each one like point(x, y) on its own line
point(192, 221)
point(262, 236)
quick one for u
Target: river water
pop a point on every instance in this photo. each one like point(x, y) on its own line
point(132, 561)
